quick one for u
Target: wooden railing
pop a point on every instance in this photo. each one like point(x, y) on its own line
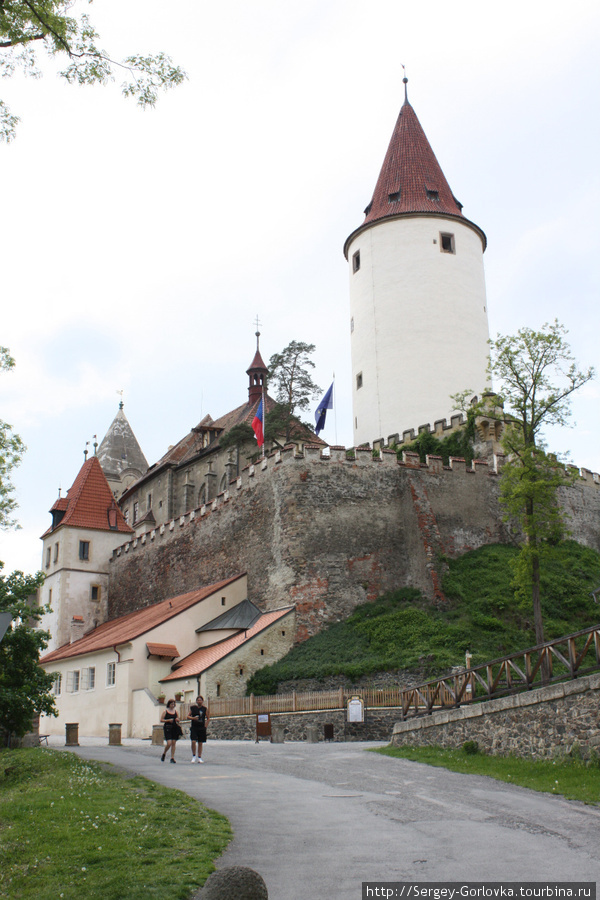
point(548, 663)
point(559, 660)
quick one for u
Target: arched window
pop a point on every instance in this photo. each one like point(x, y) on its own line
point(202, 495)
point(224, 483)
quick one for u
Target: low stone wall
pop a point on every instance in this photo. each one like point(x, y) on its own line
point(538, 724)
point(377, 726)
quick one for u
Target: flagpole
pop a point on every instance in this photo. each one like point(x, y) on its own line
point(334, 410)
point(264, 408)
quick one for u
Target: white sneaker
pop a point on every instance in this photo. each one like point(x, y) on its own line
point(200, 760)
point(194, 759)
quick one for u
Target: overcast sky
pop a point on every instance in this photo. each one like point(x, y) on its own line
point(137, 248)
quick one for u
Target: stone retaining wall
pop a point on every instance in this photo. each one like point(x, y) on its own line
point(377, 726)
point(541, 723)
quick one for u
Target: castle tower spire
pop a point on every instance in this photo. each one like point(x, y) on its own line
point(257, 373)
point(419, 326)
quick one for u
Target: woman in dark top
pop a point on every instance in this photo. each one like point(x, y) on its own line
point(171, 728)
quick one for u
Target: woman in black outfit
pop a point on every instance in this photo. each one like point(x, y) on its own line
point(171, 729)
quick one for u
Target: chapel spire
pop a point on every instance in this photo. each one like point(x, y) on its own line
point(257, 372)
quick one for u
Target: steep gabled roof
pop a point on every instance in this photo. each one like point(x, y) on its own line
point(411, 180)
point(88, 502)
point(205, 657)
point(124, 629)
point(119, 449)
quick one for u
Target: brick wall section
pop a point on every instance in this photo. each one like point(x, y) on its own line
point(328, 534)
point(538, 724)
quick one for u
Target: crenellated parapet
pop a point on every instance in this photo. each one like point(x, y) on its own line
point(363, 458)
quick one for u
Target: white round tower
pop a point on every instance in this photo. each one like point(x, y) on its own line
point(419, 327)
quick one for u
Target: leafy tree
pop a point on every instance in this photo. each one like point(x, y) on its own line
point(24, 686)
point(537, 376)
point(11, 451)
point(289, 373)
point(28, 25)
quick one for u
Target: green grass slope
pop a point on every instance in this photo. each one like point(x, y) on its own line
point(402, 630)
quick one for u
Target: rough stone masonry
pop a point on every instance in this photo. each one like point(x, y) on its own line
point(327, 534)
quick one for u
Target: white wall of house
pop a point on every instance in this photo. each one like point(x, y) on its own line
point(133, 699)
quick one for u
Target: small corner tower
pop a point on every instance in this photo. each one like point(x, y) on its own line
point(419, 326)
point(120, 455)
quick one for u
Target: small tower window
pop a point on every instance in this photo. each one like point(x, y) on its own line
point(395, 197)
point(84, 549)
point(223, 601)
point(447, 243)
point(95, 592)
point(433, 195)
point(359, 381)
point(356, 261)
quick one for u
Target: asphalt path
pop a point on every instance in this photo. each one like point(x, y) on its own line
point(317, 820)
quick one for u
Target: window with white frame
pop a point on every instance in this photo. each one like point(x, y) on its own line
point(57, 686)
point(88, 679)
point(111, 674)
point(73, 681)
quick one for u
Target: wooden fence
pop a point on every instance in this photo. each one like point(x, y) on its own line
point(559, 660)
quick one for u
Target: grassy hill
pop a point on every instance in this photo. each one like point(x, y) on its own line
point(402, 630)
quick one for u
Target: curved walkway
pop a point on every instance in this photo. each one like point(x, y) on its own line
point(316, 820)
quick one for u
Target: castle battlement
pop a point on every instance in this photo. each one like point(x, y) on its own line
point(313, 454)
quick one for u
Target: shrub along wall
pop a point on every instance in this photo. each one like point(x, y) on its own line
point(538, 724)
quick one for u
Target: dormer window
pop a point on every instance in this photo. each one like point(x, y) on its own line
point(433, 195)
point(394, 197)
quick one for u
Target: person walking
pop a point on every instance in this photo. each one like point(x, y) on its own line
point(198, 716)
point(171, 728)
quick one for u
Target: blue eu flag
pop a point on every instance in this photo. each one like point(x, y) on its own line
point(325, 404)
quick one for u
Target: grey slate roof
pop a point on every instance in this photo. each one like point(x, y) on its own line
point(242, 617)
point(119, 449)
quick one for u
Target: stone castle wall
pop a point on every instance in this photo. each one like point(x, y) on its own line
point(326, 534)
point(538, 724)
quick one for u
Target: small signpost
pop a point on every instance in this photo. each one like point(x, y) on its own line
point(355, 710)
point(263, 725)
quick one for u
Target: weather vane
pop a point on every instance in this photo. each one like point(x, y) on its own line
point(405, 82)
point(120, 393)
point(257, 332)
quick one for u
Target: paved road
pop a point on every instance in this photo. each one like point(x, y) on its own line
point(316, 820)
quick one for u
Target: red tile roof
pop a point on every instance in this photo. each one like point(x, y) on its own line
point(88, 501)
point(410, 167)
point(169, 650)
point(411, 179)
point(126, 628)
point(205, 657)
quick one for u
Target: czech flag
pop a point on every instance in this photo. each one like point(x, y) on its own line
point(257, 424)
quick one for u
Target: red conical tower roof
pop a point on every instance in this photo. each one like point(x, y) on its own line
point(88, 502)
point(411, 181)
